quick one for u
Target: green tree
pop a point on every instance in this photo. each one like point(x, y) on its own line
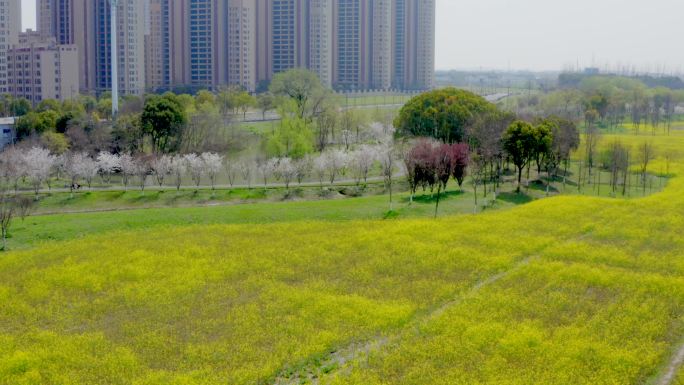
point(49, 105)
point(204, 97)
point(266, 103)
point(36, 123)
point(566, 139)
point(442, 114)
point(55, 142)
point(300, 85)
point(293, 139)
point(19, 107)
point(543, 138)
point(163, 119)
point(520, 143)
point(104, 108)
point(244, 101)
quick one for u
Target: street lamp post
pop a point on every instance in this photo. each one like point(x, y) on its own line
point(114, 52)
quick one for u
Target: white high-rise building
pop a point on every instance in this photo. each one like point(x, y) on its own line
point(131, 50)
point(381, 42)
point(321, 39)
point(241, 41)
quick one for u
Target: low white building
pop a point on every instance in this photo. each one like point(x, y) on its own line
point(8, 134)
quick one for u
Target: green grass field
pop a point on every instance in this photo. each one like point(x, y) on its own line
point(565, 290)
point(37, 229)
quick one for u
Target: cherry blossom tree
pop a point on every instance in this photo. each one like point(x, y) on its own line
point(336, 162)
point(73, 167)
point(195, 167)
point(303, 168)
point(362, 160)
point(286, 171)
point(213, 164)
point(178, 167)
point(14, 167)
point(161, 167)
point(89, 170)
point(142, 171)
point(39, 164)
point(266, 170)
point(128, 168)
point(109, 164)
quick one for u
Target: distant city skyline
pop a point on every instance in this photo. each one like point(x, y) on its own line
point(528, 34)
point(352, 45)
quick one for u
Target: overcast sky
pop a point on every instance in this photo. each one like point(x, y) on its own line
point(549, 34)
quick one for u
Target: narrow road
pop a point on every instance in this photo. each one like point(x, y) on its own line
point(673, 367)
point(136, 187)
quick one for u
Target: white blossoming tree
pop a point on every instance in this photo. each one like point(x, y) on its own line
point(213, 164)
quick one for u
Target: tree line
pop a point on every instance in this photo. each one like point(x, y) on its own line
point(607, 102)
point(469, 136)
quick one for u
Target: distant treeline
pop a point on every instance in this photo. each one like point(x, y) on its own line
point(574, 80)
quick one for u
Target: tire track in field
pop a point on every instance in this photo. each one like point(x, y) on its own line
point(668, 377)
point(340, 359)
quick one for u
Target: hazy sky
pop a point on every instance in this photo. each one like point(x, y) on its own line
point(549, 34)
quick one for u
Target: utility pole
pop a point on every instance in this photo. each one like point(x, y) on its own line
point(114, 52)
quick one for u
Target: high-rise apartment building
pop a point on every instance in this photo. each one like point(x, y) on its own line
point(414, 44)
point(83, 35)
point(158, 45)
point(241, 41)
point(381, 44)
point(10, 26)
point(206, 31)
point(198, 37)
point(352, 45)
point(131, 49)
point(320, 55)
point(282, 41)
point(425, 45)
point(363, 44)
point(39, 68)
point(194, 44)
point(55, 18)
point(46, 14)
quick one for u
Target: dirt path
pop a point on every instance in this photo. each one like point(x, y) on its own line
point(673, 367)
point(341, 359)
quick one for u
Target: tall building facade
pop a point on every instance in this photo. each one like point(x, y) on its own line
point(187, 45)
point(158, 45)
point(282, 36)
point(381, 44)
point(10, 26)
point(39, 68)
point(320, 56)
point(197, 43)
point(241, 41)
point(46, 16)
point(363, 39)
point(414, 44)
point(131, 50)
point(55, 18)
point(350, 48)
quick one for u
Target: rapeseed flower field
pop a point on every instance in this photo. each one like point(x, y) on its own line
point(566, 290)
